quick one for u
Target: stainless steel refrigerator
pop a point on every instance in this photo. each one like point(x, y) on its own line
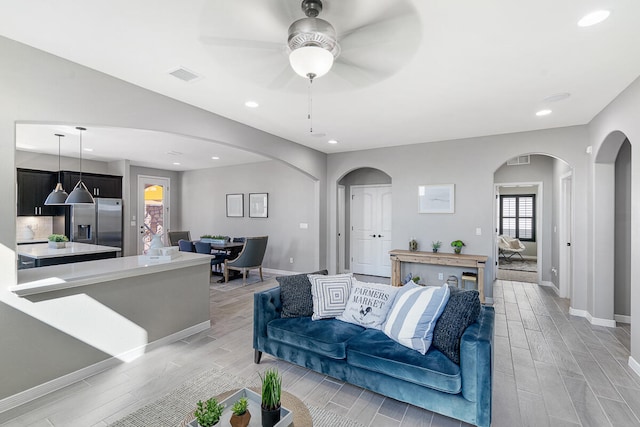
point(98, 224)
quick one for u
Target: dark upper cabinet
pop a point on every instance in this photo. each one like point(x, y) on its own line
point(108, 186)
point(33, 188)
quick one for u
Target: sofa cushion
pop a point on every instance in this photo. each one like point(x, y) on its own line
point(295, 293)
point(326, 337)
point(414, 314)
point(330, 294)
point(373, 350)
point(461, 311)
point(368, 304)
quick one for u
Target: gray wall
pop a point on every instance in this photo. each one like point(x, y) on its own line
point(291, 202)
point(362, 176)
point(470, 164)
point(622, 242)
point(42, 88)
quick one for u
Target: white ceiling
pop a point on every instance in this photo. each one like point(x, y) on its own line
point(410, 71)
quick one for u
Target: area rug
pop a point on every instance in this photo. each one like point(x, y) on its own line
point(529, 265)
point(171, 409)
point(253, 278)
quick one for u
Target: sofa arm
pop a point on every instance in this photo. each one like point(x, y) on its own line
point(267, 306)
point(476, 364)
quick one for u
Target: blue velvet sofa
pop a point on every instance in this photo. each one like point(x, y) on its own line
point(369, 359)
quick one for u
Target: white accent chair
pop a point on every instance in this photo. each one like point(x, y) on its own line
point(510, 246)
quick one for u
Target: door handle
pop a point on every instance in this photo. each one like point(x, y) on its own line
point(380, 235)
point(372, 235)
point(568, 243)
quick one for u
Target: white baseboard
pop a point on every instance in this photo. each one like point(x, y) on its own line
point(279, 272)
point(622, 318)
point(634, 365)
point(86, 372)
point(593, 320)
point(488, 300)
point(551, 285)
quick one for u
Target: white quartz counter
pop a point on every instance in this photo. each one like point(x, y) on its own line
point(46, 279)
point(42, 250)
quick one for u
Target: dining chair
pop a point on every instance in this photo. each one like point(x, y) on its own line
point(176, 236)
point(205, 248)
point(185, 245)
point(249, 258)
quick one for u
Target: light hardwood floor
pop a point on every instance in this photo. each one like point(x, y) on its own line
point(549, 369)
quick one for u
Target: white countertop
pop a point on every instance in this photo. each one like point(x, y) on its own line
point(30, 241)
point(42, 250)
point(46, 279)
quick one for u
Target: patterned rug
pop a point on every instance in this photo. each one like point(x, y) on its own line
point(252, 279)
point(530, 265)
point(171, 409)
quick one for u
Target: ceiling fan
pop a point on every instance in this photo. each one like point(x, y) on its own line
point(355, 44)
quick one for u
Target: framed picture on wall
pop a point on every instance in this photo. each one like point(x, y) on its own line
point(235, 205)
point(258, 205)
point(436, 198)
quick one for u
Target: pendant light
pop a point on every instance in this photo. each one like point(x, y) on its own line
point(58, 196)
point(80, 194)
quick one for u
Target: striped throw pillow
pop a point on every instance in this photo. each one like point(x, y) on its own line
point(414, 313)
point(330, 294)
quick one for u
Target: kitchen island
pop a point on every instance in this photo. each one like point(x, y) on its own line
point(41, 255)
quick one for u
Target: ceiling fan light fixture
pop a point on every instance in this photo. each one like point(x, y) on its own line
point(311, 61)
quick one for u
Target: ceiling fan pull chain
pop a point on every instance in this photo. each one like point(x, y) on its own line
point(310, 113)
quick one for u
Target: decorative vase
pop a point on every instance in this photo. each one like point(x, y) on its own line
point(435, 249)
point(240, 420)
point(457, 250)
point(270, 418)
point(413, 245)
point(57, 245)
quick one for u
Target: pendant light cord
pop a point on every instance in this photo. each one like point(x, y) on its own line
point(80, 129)
point(59, 154)
point(310, 106)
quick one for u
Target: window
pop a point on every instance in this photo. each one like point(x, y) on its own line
point(518, 216)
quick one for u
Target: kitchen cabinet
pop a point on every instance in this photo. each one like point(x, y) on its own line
point(33, 188)
point(108, 186)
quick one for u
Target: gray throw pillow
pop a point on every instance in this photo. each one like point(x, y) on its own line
point(461, 311)
point(295, 294)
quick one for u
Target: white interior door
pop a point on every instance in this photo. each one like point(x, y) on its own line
point(153, 210)
point(371, 230)
point(341, 228)
point(566, 226)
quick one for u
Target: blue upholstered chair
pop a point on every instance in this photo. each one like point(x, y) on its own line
point(205, 248)
point(251, 257)
point(185, 245)
point(239, 239)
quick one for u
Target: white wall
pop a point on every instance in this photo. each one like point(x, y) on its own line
point(291, 202)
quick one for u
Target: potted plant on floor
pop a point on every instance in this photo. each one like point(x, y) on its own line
point(57, 241)
point(208, 413)
point(271, 393)
point(457, 246)
point(241, 415)
point(435, 245)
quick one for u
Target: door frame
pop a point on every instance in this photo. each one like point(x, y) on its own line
point(341, 227)
point(565, 256)
point(155, 180)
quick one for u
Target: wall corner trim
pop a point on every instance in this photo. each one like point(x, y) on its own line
point(634, 365)
point(622, 318)
point(593, 320)
point(555, 289)
point(66, 380)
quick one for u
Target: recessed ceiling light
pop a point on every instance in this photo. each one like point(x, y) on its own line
point(543, 113)
point(176, 163)
point(252, 104)
point(332, 141)
point(88, 149)
point(557, 97)
point(215, 158)
point(593, 18)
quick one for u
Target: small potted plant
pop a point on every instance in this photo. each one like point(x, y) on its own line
point(57, 241)
point(416, 279)
point(435, 245)
point(241, 415)
point(457, 246)
point(208, 413)
point(271, 393)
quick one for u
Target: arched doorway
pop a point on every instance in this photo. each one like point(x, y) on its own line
point(364, 222)
point(533, 203)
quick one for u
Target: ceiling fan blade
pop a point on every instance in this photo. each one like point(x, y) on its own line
point(241, 43)
point(283, 78)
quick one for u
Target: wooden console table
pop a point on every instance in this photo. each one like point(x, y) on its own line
point(399, 256)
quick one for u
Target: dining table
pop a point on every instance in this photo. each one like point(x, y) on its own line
point(232, 249)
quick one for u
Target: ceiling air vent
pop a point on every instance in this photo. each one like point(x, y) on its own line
point(185, 75)
point(520, 160)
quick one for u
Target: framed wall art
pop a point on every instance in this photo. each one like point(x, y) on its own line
point(436, 198)
point(235, 205)
point(258, 205)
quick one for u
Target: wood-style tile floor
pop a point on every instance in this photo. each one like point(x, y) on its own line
point(549, 369)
